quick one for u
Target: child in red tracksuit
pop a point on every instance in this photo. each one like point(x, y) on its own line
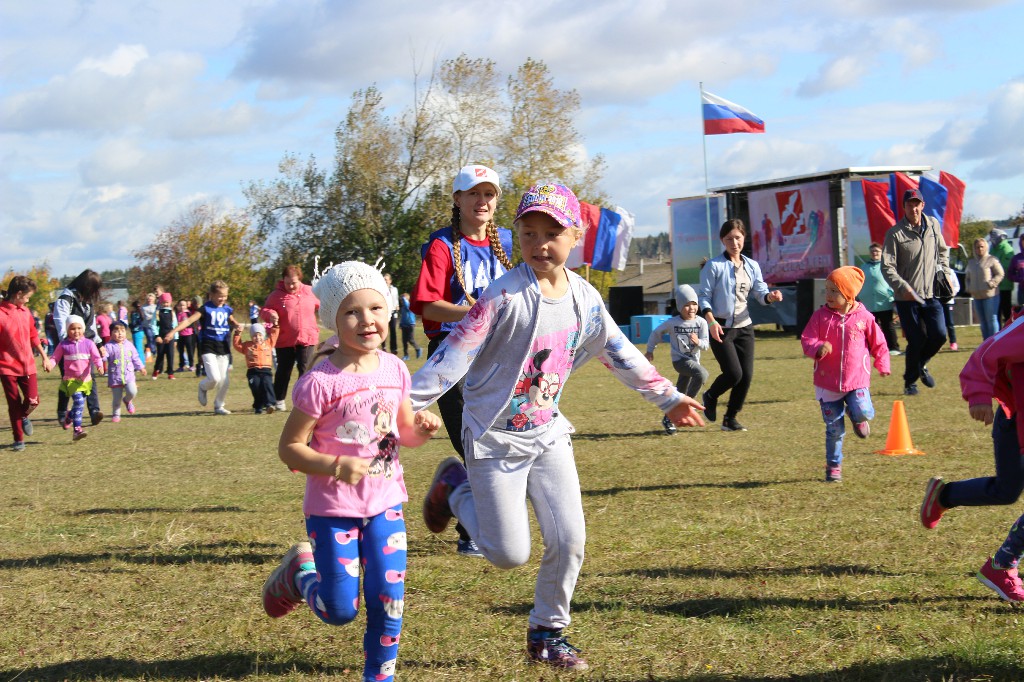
point(843, 337)
point(18, 336)
point(994, 370)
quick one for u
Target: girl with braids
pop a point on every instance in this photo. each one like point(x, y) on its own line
point(459, 261)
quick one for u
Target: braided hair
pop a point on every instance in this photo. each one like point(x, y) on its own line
point(493, 239)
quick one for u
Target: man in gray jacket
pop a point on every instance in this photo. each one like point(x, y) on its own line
point(913, 252)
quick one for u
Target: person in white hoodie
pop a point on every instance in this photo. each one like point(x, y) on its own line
point(516, 347)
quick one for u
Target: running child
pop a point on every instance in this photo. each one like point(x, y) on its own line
point(259, 360)
point(687, 335)
point(353, 410)
point(842, 336)
point(516, 348)
point(18, 336)
point(994, 370)
point(77, 352)
point(216, 320)
point(123, 361)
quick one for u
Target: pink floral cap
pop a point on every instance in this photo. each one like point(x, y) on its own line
point(558, 201)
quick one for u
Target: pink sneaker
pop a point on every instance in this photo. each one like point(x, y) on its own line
point(116, 418)
point(1004, 582)
point(954, 347)
point(448, 476)
point(79, 434)
point(280, 595)
point(551, 647)
point(131, 407)
point(862, 429)
point(931, 510)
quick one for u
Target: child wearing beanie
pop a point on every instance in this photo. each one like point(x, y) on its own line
point(687, 335)
point(352, 418)
point(259, 362)
point(839, 337)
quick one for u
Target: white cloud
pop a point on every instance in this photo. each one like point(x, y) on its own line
point(120, 63)
point(838, 74)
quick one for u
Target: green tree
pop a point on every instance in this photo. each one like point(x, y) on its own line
point(46, 286)
point(199, 248)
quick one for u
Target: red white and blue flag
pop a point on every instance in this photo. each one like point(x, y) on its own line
point(722, 117)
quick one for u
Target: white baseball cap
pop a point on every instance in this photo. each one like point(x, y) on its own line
point(472, 175)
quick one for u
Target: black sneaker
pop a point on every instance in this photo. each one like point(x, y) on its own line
point(710, 406)
point(926, 377)
point(551, 647)
point(670, 428)
point(730, 424)
point(469, 548)
point(910, 389)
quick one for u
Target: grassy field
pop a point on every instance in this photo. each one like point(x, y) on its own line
point(139, 552)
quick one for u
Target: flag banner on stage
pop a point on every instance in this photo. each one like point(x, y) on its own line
point(722, 117)
point(791, 232)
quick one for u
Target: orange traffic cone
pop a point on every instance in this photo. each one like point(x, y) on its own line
point(898, 441)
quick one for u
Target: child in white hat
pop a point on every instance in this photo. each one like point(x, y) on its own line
point(353, 410)
point(77, 352)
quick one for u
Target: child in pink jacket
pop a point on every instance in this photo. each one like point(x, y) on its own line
point(843, 337)
point(994, 370)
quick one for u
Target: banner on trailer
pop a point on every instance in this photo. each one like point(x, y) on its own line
point(688, 230)
point(791, 232)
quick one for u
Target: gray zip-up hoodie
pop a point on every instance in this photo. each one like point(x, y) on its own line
point(490, 345)
point(910, 258)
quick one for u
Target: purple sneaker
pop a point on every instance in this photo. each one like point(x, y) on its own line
point(551, 647)
point(1003, 581)
point(450, 474)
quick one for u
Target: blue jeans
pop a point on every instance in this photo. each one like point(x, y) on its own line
point(834, 413)
point(987, 310)
point(925, 328)
point(1003, 488)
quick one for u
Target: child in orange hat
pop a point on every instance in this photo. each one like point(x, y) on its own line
point(840, 336)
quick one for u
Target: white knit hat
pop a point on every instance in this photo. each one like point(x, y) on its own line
point(338, 281)
point(257, 328)
point(74, 319)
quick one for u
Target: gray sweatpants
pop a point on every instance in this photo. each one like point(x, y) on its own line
point(492, 507)
point(692, 375)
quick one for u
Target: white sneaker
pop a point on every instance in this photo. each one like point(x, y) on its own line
point(221, 410)
point(280, 406)
point(202, 394)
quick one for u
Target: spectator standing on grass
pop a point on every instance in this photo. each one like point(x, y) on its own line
point(1002, 249)
point(79, 298)
point(876, 295)
point(982, 279)
point(393, 322)
point(994, 370)
point(459, 261)
point(18, 338)
point(728, 282)
point(149, 324)
point(687, 335)
point(351, 417)
point(103, 320)
point(912, 253)
point(1015, 273)
point(407, 322)
point(186, 343)
point(217, 320)
point(843, 338)
point(516, 348)
point(296, 307)
point(166, 321)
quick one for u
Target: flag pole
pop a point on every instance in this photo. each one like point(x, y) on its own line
point(704, 143)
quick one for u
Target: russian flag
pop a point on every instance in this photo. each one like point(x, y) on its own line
point(722, 117)
point(605, 245)
point(944, 201)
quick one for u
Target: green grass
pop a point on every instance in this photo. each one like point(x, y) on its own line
point(139, 552)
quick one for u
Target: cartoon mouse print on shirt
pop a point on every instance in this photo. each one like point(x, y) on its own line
point(536, 394)
point(387, 446)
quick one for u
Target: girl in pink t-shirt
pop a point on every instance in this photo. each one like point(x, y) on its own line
point(353, 410)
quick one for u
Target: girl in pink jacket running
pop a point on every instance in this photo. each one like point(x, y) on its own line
point(843, 337)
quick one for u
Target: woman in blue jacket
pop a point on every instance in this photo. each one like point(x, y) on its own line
point(727, 283)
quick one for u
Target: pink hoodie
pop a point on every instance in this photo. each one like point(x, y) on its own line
point(996, 370)
point(855, 338)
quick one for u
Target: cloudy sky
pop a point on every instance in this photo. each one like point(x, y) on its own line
point(116, 115)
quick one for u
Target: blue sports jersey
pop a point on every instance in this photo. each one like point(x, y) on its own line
point(215, 322)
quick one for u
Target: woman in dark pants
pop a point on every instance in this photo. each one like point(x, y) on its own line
point(727, 284)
